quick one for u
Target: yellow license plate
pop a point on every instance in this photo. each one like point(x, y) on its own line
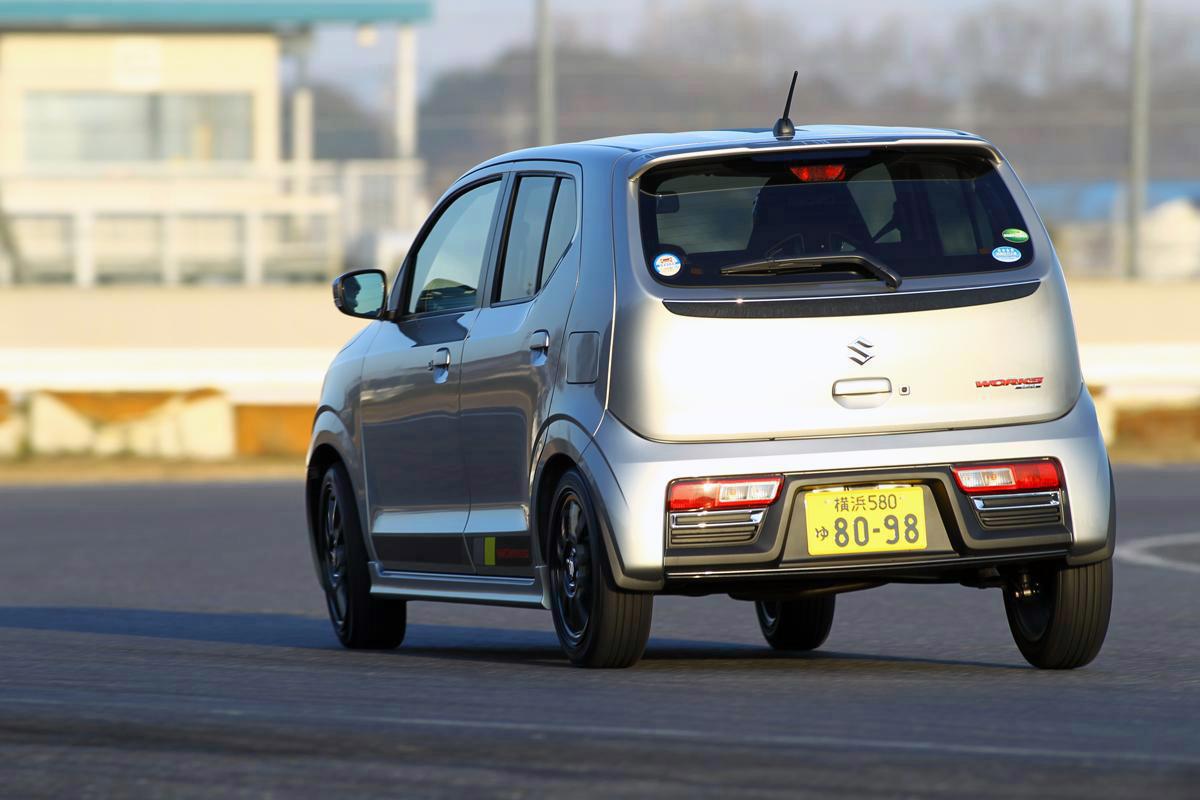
point(869, 520)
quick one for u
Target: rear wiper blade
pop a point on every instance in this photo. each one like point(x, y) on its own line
point(772, 266)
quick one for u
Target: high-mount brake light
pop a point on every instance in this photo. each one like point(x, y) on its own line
point(723, 493)
point(1016, 476)
point(819, 173)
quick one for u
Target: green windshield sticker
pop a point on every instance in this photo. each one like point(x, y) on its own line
point(1015, 235)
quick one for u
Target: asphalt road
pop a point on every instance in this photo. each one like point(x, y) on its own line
point(170, 641)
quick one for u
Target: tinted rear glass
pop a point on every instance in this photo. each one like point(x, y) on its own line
point(920, 213)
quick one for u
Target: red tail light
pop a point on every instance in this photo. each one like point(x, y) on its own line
point(723, 493)
point(819, 173)
point(1017, 476)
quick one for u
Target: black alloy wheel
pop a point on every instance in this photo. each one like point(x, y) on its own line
point(571, 567)
point(598, 624)
point(360, 620)
point(333, 539)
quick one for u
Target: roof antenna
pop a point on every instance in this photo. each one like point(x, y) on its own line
point(784, 129)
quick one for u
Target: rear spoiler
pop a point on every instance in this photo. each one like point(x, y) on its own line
point(983, 147)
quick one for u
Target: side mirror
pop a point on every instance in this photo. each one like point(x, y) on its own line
point(362, 293)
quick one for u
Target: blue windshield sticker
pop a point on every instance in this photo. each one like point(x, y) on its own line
point(667, 264)
point(1006, 254)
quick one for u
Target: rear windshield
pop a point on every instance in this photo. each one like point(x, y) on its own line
point(770, 218)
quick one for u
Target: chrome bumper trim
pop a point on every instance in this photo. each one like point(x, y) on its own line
point(1037, 500)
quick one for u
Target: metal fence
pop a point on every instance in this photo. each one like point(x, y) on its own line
point(161, 225)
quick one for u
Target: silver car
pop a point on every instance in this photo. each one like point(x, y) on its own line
point(778, 368)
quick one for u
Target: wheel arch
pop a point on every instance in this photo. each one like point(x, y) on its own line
point(560, 447)
point(330, 444)
point(564, 445)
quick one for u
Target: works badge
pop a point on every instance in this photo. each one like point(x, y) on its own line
point(1016, 383)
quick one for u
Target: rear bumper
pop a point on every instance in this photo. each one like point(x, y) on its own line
point(631, 474)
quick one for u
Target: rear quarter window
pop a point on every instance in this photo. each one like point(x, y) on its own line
point(919, 212)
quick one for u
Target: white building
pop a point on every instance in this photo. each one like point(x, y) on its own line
point(140, 142)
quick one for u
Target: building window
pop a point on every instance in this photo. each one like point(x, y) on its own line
point(112, 126)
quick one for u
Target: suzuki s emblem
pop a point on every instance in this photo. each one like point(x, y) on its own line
point(860, 351)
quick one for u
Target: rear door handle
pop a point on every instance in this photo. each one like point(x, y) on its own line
point(539, 341)
point(859, 386)
point(440, 360)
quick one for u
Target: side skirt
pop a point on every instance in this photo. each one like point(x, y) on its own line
point(495, 590)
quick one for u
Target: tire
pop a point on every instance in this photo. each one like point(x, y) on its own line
point(801, 624)
point(361, 622)
point(1060, 616)
point(598, 625)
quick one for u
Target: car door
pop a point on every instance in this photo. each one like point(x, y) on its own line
point(511, 359)
point(417, 490)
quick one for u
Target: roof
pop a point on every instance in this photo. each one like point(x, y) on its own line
point(814, 134)
point(660, 143)
point(205, 13)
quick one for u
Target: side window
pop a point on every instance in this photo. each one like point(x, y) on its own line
point(526, 231)
point(447, 267)
point(562, 227)
point(540, 230)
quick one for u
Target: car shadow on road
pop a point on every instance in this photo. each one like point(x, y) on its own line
point(449, 642)
point(710, 655)
point(272, 630)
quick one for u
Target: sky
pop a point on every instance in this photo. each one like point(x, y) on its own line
point(470, 33)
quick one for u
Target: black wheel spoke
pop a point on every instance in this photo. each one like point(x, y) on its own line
point(334, 556)
point(331, 516)
point(337, 565)
point(571, 572)
point(561, 543)
point(339, 595)
point(573, 522)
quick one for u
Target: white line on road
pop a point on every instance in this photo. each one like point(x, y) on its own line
point(645, 732)
point(1138, 552)
point(789, 740)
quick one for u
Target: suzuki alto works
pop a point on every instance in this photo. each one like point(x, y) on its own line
point(774, 365)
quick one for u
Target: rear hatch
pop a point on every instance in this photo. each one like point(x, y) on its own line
point(795, 293)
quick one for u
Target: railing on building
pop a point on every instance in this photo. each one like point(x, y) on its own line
point(223, 224)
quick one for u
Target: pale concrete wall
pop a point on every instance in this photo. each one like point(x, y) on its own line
point(1122, 312)
point(264, 351)
point(242, 317)
point(1106, 312)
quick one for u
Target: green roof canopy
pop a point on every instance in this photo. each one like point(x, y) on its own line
point(205, 13)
